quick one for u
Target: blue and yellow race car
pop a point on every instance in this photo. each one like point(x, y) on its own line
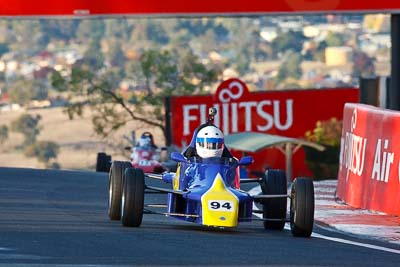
point(206, 189)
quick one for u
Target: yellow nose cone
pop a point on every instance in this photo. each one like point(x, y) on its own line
point(220, 206)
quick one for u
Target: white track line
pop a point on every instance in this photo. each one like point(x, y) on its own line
point(344, 241)
point(256, 190)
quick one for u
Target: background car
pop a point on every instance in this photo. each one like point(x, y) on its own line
point(144, 155)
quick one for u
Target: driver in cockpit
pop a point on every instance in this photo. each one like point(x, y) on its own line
point(207, 141)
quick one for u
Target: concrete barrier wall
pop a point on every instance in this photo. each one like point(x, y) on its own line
point(369, 173)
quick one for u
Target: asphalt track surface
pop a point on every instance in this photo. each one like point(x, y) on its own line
point(59, 218)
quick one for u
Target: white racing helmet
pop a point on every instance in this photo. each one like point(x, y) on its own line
point(144, 142)
point(209, 142)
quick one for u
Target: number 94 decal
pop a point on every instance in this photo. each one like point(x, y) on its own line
point(220, 205)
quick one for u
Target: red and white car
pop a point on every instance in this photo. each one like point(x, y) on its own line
point(145, 155)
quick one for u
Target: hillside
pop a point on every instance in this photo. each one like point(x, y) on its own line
point(78, 143)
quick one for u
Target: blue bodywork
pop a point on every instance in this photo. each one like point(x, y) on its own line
point(195, 176)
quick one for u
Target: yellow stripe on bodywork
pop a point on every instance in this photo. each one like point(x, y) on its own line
point(175, 182)
point(219, 205)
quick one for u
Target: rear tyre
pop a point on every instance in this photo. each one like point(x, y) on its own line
point(108, 163)
point(132, 198)
point(159, 169)
point(302, 207)
point(274, 183)
point(101, 162)
point(115, 179)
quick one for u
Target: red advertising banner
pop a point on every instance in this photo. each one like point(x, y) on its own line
point(369, 174)
point(287, 113)
point(180, 7)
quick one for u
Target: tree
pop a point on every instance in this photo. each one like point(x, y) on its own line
point(290, 67)
point(29, 37)
point(93, 57)
point(288, 41)
point(334, 39)
point(115, 55)
point(90, 29)
point(57, 29)
point(206, 42)
point(156, 33)
point(3, 133)
point(242, 33)
point(27, 125)
point(44, 151)
point(117, 28)
point(22, 91)
point(163, 73)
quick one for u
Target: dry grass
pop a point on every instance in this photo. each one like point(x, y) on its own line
point(79, 145)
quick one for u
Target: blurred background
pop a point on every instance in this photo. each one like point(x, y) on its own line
point(70, 88)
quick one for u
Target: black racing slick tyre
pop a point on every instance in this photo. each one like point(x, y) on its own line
point(132, 198)
point(103, 162)
point(108, 163)
point(274, 183)
point(302, 207)
point(115, 180)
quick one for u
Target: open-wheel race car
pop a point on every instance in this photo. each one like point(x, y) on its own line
point(144, 155)
point(206, 190)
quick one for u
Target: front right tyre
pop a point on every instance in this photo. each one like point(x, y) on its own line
point(132, 198)
point(274, 183)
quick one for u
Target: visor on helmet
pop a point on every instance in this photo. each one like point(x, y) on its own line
point(210, 142)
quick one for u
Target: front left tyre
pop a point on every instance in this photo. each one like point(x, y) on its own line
point(302, 205)
point(132, 198)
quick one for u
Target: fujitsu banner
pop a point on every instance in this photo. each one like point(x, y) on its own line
point(369, 174)
point(287, 113)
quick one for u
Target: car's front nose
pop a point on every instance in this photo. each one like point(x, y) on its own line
point(219, 205)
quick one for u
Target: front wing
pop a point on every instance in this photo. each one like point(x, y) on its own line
point(217, 206)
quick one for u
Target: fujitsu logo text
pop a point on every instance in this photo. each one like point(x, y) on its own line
point(234, 115)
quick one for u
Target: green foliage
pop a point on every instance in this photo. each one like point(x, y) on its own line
point(27, 125)
point(44, 151)
point(93, 57)
point(242, 61)
point(324, 164)
point(90, 29)
point(334, 39)
point(3, 133)
point(288, 40)
point(115, 55)
point(196, 26)
point(156, 33)
point(28, 37)
point(22, 91)
point(290, 67)
point(54, 165)
point(326, 132)
point(201, 34)
point(160, 72)
point(64, 29)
